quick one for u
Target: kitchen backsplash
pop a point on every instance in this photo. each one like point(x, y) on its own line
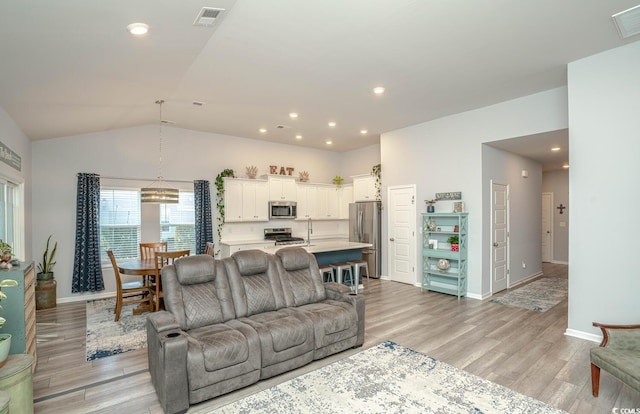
point(255, 231)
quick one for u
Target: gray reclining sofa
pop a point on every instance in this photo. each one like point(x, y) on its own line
point(229, 323)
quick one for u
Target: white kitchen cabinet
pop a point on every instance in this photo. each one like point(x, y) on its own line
point(327, 203)
point(245, 200)
point(364, 187)
point(282, 188)
point(227, 250)
point(307, 201)
point(345, 197)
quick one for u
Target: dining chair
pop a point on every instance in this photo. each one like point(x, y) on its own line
point(210, 249)
point(147, 250)
point(162, 259)
point(128, 292)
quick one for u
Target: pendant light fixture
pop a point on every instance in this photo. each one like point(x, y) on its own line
point(158, 192)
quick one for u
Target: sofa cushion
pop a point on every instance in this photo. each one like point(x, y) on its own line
point(301, 279)
point(222, 346)
point(333, 321)
point(621, 363)
point(197, 299)
point(254, 282)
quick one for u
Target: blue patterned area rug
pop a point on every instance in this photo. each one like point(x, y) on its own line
point(388, 378)
point(539, 295)
point(105, 337)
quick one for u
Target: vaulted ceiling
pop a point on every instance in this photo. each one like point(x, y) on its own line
point(70, 67)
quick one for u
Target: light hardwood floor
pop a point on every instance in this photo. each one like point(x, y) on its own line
point(523, 350)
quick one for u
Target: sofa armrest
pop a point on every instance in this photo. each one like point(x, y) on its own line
point(342, 293)
point(167, 347)
point(623, 337)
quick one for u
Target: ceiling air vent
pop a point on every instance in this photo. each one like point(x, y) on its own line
point(207, 16)
point(628, 22)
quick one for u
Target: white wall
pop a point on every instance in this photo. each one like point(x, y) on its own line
point(13, 137)
point(133, 152)
point(446, 155)
point(557, 182)
point(359, 161)
point(603, 238)
point(525, 220)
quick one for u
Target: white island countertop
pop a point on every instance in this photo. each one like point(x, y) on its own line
point(322, 246)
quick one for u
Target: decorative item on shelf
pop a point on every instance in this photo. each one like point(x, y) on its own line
point(456, 228)
point(376, 172)
point(5, 339)
point(252, 171)
point(431, 225)
point(226, 173)
point(5, 255)
point(45, 282)
point(273, 169)
point(160, 193)
point(430, 205)
point(433, 244)
point(454, 240)
point(337, 180)
point(443, 264)
point(303, 176)
point(458, 207)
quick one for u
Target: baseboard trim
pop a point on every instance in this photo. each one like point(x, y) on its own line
point(478, 296)
point(583, 335)
point(86, 297)
point(562, 262)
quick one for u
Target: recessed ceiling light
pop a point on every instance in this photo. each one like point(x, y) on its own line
point(138, 29)
point(378, 90)
point(332, 124)
point(293, 115)
point(565, 166)
point(363, 131)
point(328, 142)
point(298, 136)
point(263, 130)
point(555, 149)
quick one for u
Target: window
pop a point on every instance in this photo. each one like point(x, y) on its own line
point(119, 223)
point(177, 223)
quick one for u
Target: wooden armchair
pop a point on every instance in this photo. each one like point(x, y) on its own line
point(210, 249)
point(618, 354)
point(162, 259)
point(128, 292)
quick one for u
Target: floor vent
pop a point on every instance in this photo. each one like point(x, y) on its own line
point(208, 16)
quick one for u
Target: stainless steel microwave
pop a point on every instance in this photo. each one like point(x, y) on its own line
point(282, 210)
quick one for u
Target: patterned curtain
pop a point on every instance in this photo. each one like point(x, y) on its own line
point(204, 226)
point(87, 271)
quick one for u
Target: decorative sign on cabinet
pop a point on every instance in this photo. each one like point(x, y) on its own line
point(444, 267)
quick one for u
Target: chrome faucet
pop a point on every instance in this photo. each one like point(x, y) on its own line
point(309, 231)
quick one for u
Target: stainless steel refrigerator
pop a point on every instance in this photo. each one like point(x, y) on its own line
point(364, 227)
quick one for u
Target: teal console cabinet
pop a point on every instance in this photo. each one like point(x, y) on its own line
point(19, 309)
point(451, 276)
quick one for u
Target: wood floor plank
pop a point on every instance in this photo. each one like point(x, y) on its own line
point(514, 347)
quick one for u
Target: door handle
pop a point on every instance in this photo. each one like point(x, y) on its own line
point(392, 239)
point(495, 244)
point(548, 232)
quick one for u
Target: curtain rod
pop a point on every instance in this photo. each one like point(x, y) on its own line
point(143, 179)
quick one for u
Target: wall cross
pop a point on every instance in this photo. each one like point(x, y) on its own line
point(561, 208)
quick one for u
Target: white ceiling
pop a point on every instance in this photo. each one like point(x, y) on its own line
point(69, 67)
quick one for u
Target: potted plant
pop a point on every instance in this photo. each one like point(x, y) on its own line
point(5, 339)
point(5, 255)
point(430, 205)
point(454, 240)
point(337, 180)
point(45, 283)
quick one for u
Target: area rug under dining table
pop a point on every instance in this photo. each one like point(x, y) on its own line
point(387, 378)
point(105, 337)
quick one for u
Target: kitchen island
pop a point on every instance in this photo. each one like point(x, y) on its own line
point(327, 252)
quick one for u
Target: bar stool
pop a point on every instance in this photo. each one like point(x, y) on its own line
point(327, 271)
point(342, 269)
point(358, 267)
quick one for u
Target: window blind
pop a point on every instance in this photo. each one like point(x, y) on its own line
point(178, 223)
point(119, 223)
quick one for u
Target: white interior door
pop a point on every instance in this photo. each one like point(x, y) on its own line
point(499, 237)
point(402, 233)
point(547, 225)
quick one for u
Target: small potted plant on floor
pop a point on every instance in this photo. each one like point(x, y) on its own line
point(454, 240)
point(45, 283)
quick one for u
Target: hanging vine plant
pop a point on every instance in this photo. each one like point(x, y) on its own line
point(375, 171)
point(220, 197)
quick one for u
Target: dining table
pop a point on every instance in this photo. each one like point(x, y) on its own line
point(143, 268)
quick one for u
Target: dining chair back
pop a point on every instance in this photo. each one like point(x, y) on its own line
point(128, 292)
point(210, 249)
point(148, 250)
point(162, 259)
